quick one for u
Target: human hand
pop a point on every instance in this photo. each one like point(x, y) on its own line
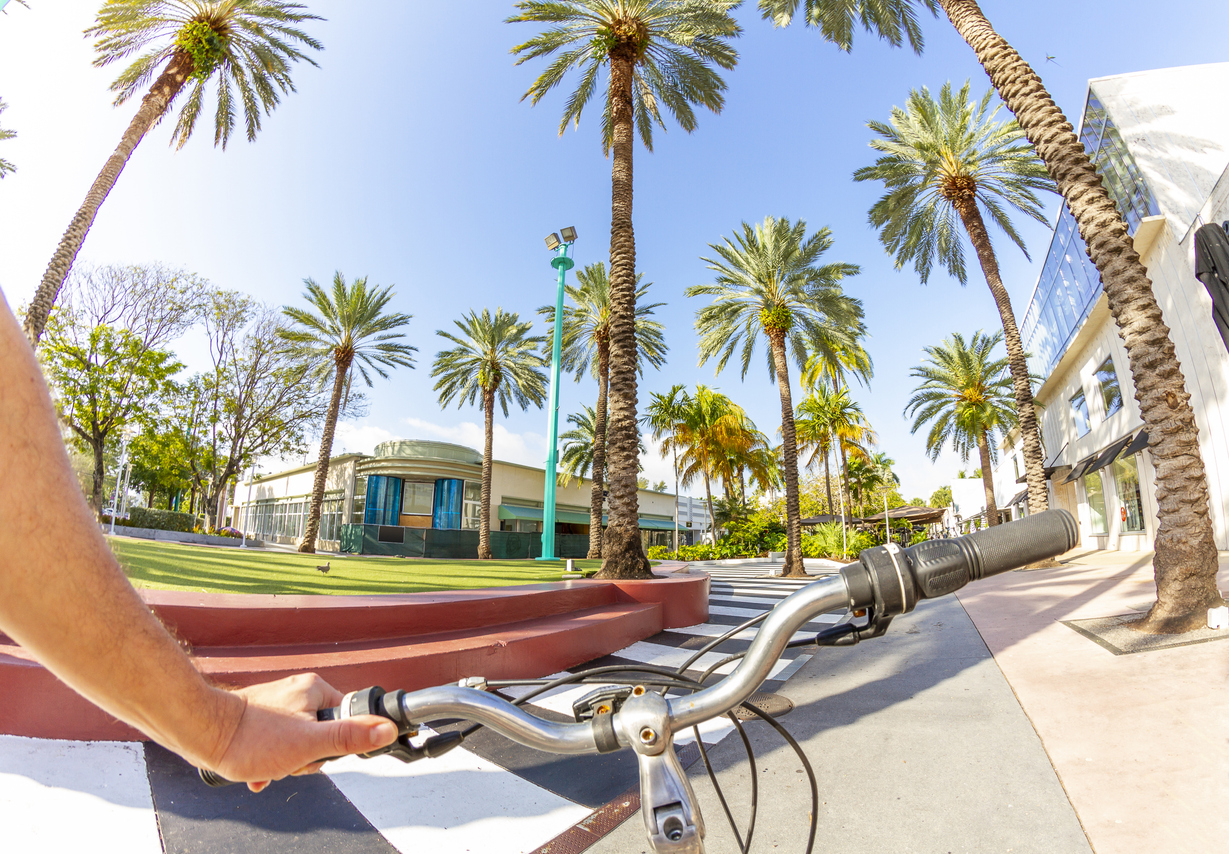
point(278, 734)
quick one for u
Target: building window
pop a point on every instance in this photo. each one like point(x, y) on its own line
point(1111, 393)
point(473, 505)
point(417, 499)
point(1126, 481)
point(1094, 490)
point(1079, 412)
point(360, 500)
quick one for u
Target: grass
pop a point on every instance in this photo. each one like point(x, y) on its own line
point(172, 566)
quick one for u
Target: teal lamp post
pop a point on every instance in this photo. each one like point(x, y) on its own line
point(562, 263)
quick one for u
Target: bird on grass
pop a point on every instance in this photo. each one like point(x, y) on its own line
point(325, 568)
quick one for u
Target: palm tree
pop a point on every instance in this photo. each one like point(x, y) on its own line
point(5, 166)
point(829, 419)
point(586, 346)
point(665, 416)
point(712, 423)
point(661, 53)
point(945, 162)
point(580, 447)
point(247, 45)
point(769, 281)
point(965, 395)
point(495, 358)
point(338, 331)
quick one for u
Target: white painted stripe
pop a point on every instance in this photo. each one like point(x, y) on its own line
point(794, 667)
point(749, 600)
point(455, 804)
point(727, 611)
point(76, 796)
point(668, 656)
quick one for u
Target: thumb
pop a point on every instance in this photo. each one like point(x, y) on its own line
point(359, 734)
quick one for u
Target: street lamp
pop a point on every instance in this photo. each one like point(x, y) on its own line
point(562, 263)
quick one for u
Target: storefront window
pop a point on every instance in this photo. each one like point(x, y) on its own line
point(1111, 393)
point(1079, 412)
point(1126, 481)
point(473, 504)
point(1095, 492)
point(417, 498)
point(360, 500)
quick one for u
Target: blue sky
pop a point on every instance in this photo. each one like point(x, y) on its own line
point(408, 157)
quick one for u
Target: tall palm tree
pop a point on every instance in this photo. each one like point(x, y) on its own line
point(894, 21)
point(340, 330)
point(660, 53)
point(945, 162)
point(495, 358)
point(579, 447)
point(769, 281)
point(1185, 565)
point(835, 368)
point(5, 166)
point(247, 45)
point(966, 397)
point(829, 419)
point(665, 416)
point(586, 347)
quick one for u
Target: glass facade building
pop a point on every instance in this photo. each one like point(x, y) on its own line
point(1069, 283)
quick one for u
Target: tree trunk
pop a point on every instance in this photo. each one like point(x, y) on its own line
point(153, 106)
point(596, 498)
point(1034, 465)
point(488, 443)
point(708, 492)
point(793, 516)
point(622, 552)
point(1185, 564)
point(987, 478)
point(675, 454)
point(308, 544)
point(828, 480)
point(97, 498)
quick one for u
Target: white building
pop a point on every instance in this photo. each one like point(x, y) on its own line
point(1162, 147)
point(420, 497)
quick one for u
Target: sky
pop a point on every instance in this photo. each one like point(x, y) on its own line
point(409, 157)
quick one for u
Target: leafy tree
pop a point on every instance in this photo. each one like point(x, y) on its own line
point(106, 355)
point(769, 280)
point(495, 358)
point(586, 347)
point(943, 163)
point(665, 416)
point(660, 486)
point(712, 423)
point(941, 497)
point(965, 396)
point(159, 457)
point(660, 53)
point(5, 166)
point(341, 330)
point(247, 46)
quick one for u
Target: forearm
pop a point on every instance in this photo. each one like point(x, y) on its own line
point(62, 594)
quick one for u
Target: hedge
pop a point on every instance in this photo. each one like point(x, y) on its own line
point(161, 520)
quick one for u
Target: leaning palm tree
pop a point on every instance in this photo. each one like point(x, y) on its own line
point(248, 46)
point(339, 330)
point(5, 166)
point(665, 415)
point(495, 358)
point(660, 53)
point(770, 282)
point(828, 420)
point(966, 397)
point(586, 346)
point(948, 166)
point(711, 424)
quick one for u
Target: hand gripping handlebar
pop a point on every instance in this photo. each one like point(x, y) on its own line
point(887, 581)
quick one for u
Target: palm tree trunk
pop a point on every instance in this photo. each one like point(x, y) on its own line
point(793, 515)
point(1034, 465)
point(828, 479)
point(484, 512)
point(599, 452)
point(987, 478)
point(708, 492)
point(622, 552)
point(308, 544)
point(675, 454)
point(1185, 564)
point(153, 107)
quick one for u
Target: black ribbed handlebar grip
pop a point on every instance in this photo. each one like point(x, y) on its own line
point(1025, 541)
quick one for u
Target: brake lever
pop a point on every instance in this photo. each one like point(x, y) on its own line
point(672, 820)
point(876, 625)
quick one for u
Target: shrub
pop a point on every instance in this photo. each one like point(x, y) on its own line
point(160, 520)
point(660, 553)
point(825, 541)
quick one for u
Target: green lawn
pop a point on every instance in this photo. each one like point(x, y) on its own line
point(171, 566)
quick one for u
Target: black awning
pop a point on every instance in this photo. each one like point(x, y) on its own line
point(1078, 471)
point(1108, 455)
point(1137, 444)
point(1020, 496)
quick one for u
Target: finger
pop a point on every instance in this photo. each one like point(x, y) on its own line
point(307, 769)
point(359, 734)
point(258, 787)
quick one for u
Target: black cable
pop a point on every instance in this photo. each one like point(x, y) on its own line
point(743, 846)
point(810, 772)
point(723, 638)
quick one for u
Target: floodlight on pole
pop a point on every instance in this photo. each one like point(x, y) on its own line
point(562, 263)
